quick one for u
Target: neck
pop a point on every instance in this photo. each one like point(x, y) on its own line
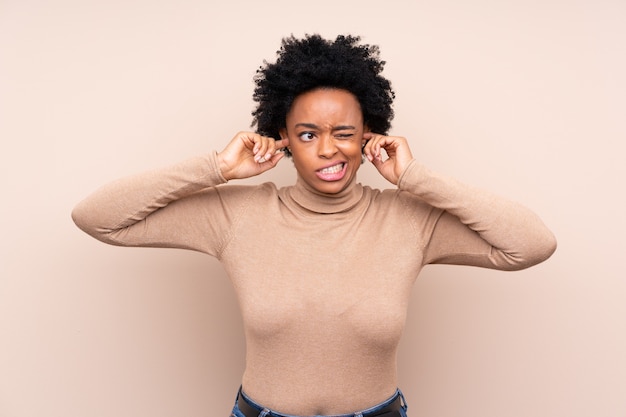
point(319, 202)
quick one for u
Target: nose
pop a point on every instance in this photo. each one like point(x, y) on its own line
point(326, 147)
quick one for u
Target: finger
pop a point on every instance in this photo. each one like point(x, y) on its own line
point(257, 140)
point(263, 149)
point(378, 164)
point(276, 157)
point(376, 143)
point(267, 150)
point(389, 144)
point(272, 160)
point(273, 147)
point(248, 139)
point(368, 148)
point(242, 142)
point(281, 143)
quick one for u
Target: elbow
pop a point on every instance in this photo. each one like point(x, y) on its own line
point(82, 218)
point(545, 248)
point(537, 251)
point(550, 245)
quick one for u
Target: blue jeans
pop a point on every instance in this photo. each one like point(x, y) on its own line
point(364, 413)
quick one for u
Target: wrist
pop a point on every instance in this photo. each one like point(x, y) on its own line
point(409, 174)
point(223, 167)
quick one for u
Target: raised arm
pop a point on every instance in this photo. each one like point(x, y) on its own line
point(155, 208)
point(177, 206)
point(477, 227)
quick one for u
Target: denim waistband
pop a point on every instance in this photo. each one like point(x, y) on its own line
point(266, 412)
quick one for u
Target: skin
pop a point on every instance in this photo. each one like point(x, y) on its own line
point(324, 128)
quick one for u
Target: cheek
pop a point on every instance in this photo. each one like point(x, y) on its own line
point(300, 157)
point(352, 149)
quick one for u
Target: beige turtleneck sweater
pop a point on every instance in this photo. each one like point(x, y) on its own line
point(323, 281)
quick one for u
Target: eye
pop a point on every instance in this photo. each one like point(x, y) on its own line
point(306, 136)
point(344, 135)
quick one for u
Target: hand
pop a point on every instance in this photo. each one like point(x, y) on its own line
point(398, 155)
point(249, 154)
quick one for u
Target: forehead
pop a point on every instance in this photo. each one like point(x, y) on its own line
point(325, 105)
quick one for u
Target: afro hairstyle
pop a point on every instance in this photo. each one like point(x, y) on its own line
point(313, 62)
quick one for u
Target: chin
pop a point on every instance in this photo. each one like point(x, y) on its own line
point(332, 187)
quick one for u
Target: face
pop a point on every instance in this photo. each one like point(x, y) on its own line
point(325, 131)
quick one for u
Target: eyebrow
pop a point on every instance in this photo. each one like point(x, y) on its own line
point(314, 126)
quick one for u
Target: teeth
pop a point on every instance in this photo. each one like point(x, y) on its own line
point(332, 170)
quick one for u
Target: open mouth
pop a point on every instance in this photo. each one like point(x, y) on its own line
point(332, 170)
point(332, 173)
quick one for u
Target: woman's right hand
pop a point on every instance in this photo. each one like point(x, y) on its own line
point(249, 154)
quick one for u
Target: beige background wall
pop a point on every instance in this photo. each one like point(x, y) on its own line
point(526, 98)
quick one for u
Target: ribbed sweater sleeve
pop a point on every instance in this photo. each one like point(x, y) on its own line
point(477, 228)
point(169, 207)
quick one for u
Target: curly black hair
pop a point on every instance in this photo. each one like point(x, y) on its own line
point(313, 62)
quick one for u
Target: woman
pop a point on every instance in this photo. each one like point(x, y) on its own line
point(322, 269)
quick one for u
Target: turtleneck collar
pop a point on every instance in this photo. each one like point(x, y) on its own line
point(309, 198)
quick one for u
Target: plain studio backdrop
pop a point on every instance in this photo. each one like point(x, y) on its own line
point(525, 98)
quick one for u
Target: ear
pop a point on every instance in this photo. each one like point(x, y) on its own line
point(283, 135)
point(366, 129)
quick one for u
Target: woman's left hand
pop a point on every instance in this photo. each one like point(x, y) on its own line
point(398, 155)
